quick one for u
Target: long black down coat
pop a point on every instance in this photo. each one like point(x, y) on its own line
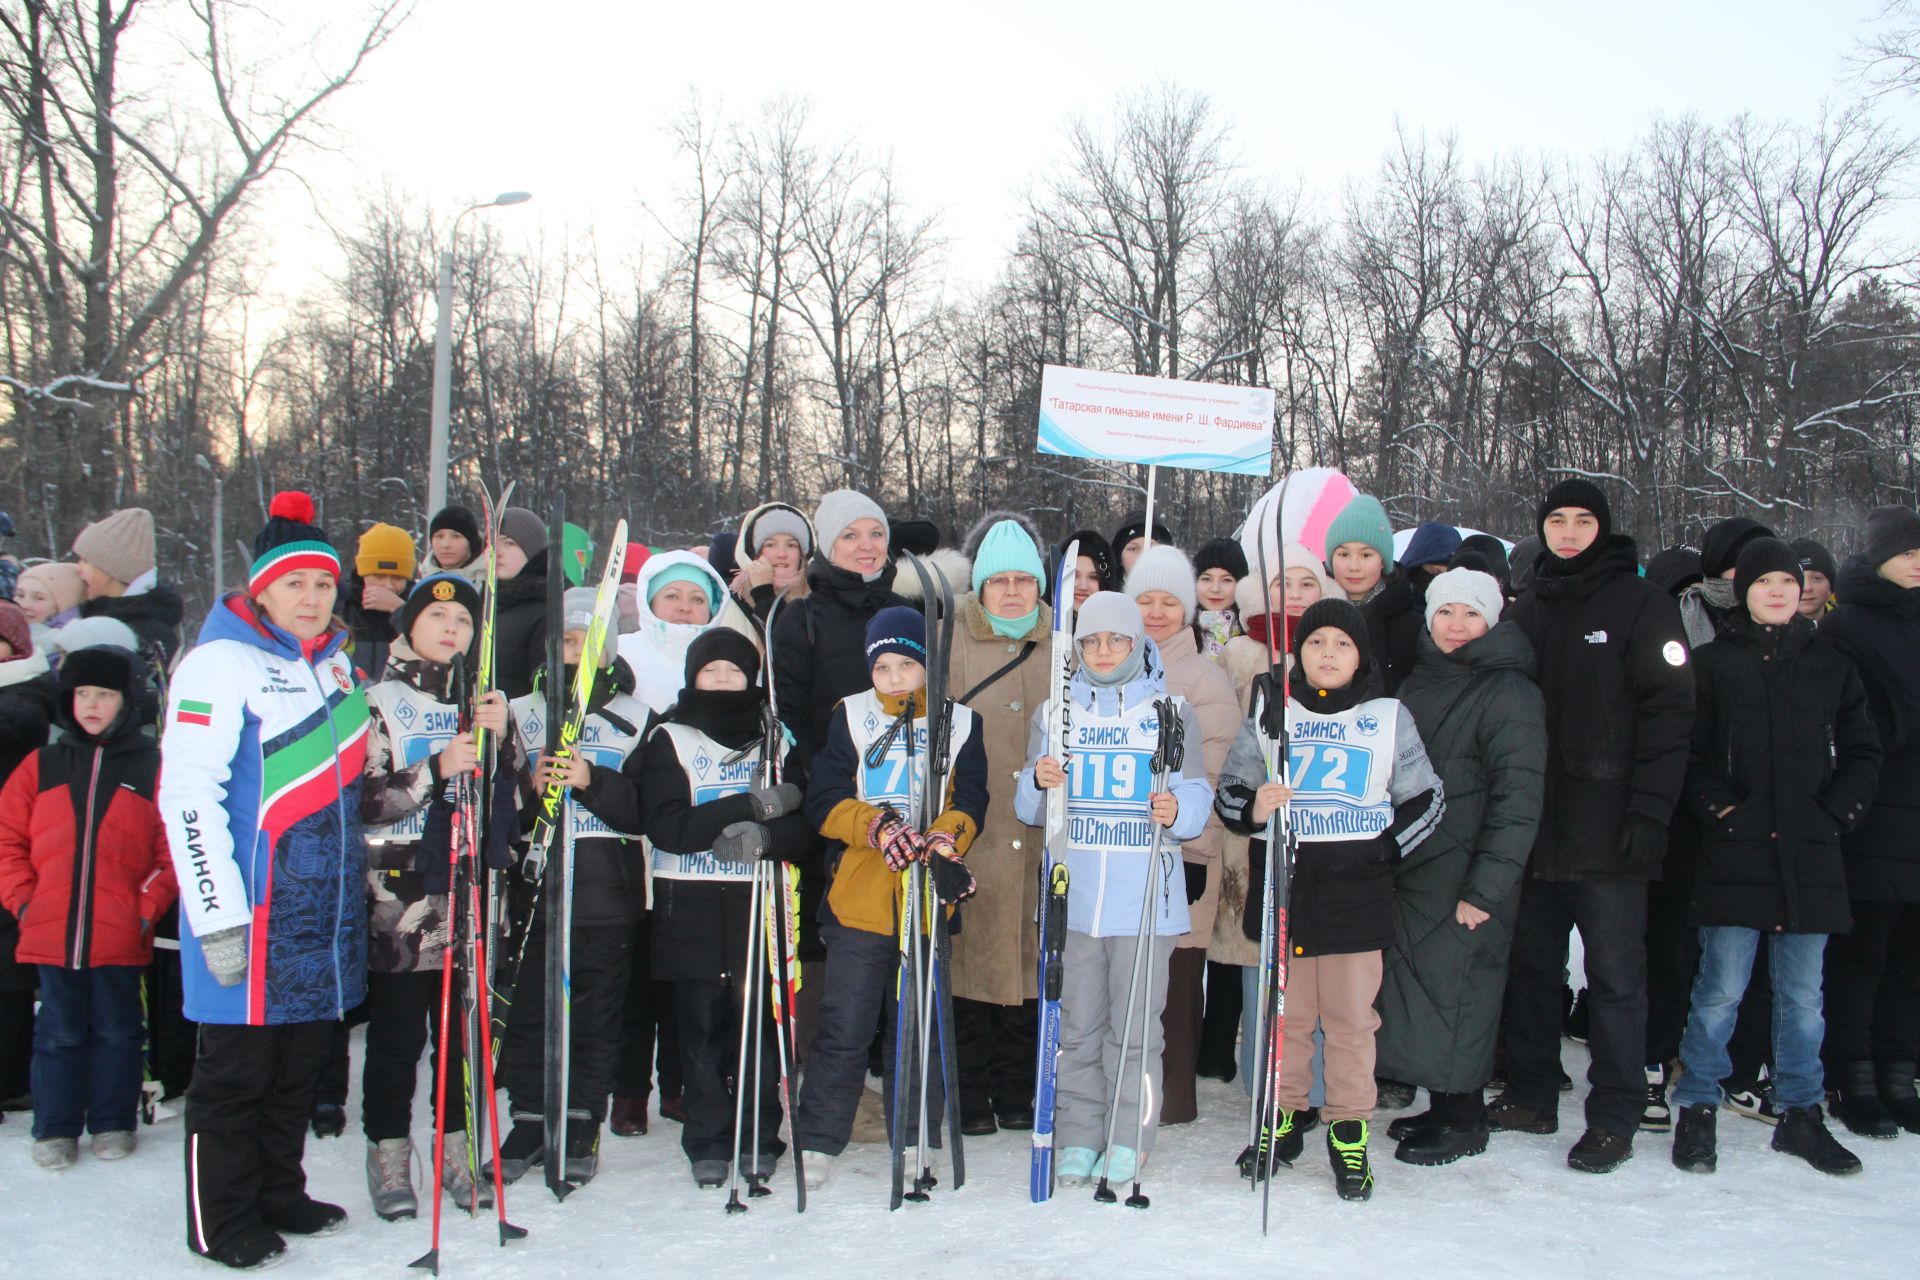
point(1783, 739)
point(1619, 694)
point(1485, 727)
point(1877, 625)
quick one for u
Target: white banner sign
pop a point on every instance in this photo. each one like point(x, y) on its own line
point(1121, 417)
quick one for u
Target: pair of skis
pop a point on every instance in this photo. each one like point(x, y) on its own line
point(565, 724)
point(1053, 882)
point(924, 999)
point(549, 859)
point(467, 945)
point(772, 964)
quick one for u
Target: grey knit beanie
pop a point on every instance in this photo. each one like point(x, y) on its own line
point(1164, 568)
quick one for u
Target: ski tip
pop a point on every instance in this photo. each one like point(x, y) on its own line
point(428, 1261)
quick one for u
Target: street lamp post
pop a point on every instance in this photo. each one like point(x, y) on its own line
point(219, 523)
point(443, 357)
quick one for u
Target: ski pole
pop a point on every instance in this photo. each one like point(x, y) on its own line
point(734, 1203)
point(430, 1260)
point(1166, 758)
point(756, 991)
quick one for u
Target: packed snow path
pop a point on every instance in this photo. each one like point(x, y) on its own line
point(1515, 1211)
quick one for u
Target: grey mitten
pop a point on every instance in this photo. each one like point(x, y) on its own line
point(742, 842)
point(774, 802)
point(225, 951)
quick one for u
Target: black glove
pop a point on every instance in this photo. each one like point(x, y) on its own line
point(1643, 843)
point(743, 842)
point(952, 881)
point(774, 802)
point(1196, 880)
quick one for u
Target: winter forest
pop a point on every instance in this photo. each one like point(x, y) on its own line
point(1721, 318)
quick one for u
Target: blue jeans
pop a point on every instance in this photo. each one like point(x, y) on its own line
point(1726, 963)
point(1249, 1011)
point(87, 1046)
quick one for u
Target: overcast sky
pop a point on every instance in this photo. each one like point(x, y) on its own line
point(565, 97)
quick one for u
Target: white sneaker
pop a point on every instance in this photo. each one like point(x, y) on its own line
point(114, 1144)
point(818, 1167)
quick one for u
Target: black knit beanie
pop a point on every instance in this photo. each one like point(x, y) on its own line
point(1758, 558)
point(1576, 491)
point(1891, 531)
point(1342, 614)
point(1721, 547)
point(722, 644)
point(460, 521)
point(1221, 553)
point(1815, 558)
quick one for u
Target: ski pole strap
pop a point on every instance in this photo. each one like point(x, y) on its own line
point(1172, 751)
point(902, 724)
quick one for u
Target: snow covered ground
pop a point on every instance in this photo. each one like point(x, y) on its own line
point(1515, 1211)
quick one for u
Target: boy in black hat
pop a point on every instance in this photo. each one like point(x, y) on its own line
point(1783, 759)
point(1618, 686)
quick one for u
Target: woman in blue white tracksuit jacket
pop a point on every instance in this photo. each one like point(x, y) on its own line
point(261, 760)
point(1117, 690)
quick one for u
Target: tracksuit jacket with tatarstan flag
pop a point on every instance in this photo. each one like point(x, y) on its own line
point(264, 746)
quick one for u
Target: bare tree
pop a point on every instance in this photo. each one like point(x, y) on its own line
point(114, 216)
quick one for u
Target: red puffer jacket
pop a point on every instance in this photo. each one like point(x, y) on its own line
point(83, 853)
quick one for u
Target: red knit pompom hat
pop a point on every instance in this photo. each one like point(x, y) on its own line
point(289, 542)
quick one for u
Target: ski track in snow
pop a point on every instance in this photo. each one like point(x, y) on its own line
point(1515, 1211)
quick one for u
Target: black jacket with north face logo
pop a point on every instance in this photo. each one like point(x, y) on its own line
point(1618, 685)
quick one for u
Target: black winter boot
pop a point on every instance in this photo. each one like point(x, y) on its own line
point(1856, 1101)
point(256, 1247)
point(1347, 1152)
point(1507, 1114)
point(1802, 1132)
point(1407, 1126)
point(1696, 1140)
point(1599, 1151)
point(1897, 1093)
point(583, 1148)
point(525, 1147)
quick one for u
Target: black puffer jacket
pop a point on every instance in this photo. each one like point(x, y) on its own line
point(372, 630)
point(1619, 695)
point(1393, 628)
point(27, 703)
point(700, 927)
point(820, 647)
point(1783, 739)
point(1484, 726)
point(520, 628)
point(1877, 625)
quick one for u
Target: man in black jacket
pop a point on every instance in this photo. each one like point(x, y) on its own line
point(1619, 695)
point(1873, 970)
